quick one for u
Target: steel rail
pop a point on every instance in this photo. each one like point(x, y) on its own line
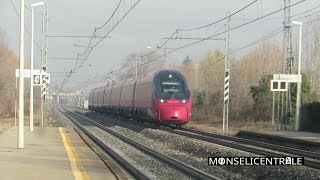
point(234, 142)
point(124, 163)
point(196, 173)
point(275, 147)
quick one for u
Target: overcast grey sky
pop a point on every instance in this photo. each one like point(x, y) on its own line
point(150, 21)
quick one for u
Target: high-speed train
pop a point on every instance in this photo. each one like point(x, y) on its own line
point(162, 96)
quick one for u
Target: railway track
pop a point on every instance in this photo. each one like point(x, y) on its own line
point(311, 159)
point(135, 172)
point(187, 169)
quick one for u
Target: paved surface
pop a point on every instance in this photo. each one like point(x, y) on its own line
point(49, 153)
point(307, 136)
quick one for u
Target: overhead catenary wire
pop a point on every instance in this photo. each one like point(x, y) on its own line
point(168, 53)
point(90, 47)
point(201, 27)
point(15, 10)
point(231, 29)
point(224, 32)
point(269, 35)
point(298, 14)
point(308, 15)
point(265, 37)
point(311, 21)
point(196, 42)
point(222, 19)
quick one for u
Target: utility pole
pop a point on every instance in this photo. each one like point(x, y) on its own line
point(287, 43)
point(135, 67)
point(197, 80)
point(45, 58)
point(165, 56)
point(288, 61)
point(226, 76)
point(21, 80)
point(31, 72)
point(45, 63)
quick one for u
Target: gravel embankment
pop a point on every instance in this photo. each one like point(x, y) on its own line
point(144, 162)
point(195, 152)
point(54, 118)
point(6, 123)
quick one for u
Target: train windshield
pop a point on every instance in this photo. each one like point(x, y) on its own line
point(172, 87)
point(170, 84)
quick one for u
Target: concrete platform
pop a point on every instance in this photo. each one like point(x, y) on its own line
point(295, 135)
point(294, 139)
point(49, 153)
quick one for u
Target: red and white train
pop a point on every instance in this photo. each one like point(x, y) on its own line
point(162, 96)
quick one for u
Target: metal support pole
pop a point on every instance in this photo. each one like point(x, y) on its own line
point(31, 63)
point(278, 110)
point(165, 56)
point(197, 85)
point(21, 79)
point(282, 109)
point(45, 57)
point(41, 106)
point(31, 73)
point(273, 104)
point(288, 59)
point(298, 103)
point(136, 68)
point(15, 105)
point(226, 78)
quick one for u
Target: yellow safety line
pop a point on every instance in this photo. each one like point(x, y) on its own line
point(77, 168)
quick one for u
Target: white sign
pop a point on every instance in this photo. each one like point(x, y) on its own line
point(293, 78)
point(37, 80)
point(26, 72)
point(85, 104)
point(46, 78)
point(279, 85)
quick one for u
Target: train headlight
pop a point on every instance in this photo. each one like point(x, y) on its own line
point(162, 100)
point(183, 101)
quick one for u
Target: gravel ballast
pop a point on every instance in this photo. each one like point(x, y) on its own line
point(195, 152)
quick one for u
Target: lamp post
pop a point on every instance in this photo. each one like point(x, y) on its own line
point(31, 63)
point(21, 80)
point(298, 100)
point(145, 62)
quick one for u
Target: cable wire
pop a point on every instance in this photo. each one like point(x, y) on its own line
point(204, 26)
point(244, 24)
point(15, 10)
point(263, 38)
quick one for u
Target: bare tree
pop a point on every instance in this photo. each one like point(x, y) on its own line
point(246, 72)
point(311, 54)
point(8, 64)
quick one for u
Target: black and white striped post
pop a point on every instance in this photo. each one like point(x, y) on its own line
point(226, 100)
point(226, 77)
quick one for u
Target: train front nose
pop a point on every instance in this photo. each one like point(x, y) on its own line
point(173, 113)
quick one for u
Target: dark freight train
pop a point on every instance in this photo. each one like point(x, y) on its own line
point(159, 96)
